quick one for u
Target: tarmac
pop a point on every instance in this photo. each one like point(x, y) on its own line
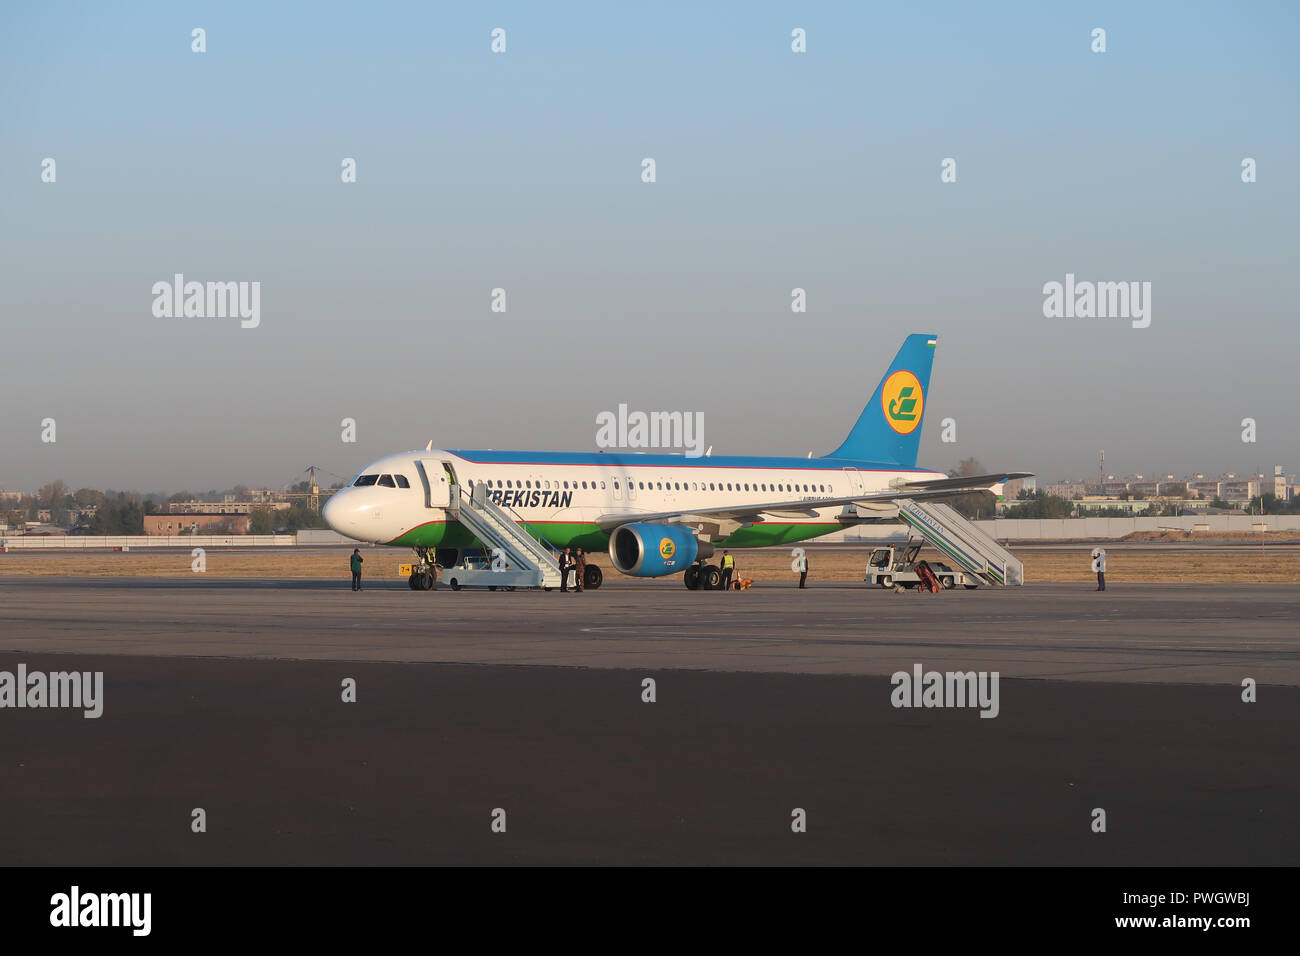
point(226, 696)
point(1152, 633)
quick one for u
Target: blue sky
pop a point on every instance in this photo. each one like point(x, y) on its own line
point(521, 170)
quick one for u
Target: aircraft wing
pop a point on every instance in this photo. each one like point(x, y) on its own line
point(731, 517)
point(967, 484)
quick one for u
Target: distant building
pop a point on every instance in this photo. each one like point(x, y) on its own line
point(1066, 489)
point(228, 507)
point(196, 523)
point(1239, 489)
point(1138, 506)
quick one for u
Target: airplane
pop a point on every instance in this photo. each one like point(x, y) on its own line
point(660, 514)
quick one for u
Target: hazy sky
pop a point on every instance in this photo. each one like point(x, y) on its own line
point(522, 170)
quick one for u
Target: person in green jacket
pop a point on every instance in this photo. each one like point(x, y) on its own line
point(356, 569)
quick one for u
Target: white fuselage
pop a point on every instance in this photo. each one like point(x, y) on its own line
point(571, 495)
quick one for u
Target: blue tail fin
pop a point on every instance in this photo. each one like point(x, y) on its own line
point(889, 429)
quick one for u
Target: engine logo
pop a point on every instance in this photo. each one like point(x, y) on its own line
point(666, 548)
point(902, 401)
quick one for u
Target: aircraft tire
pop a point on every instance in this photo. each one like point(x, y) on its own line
point(593, 577)
point(710, 577)
point(692, 578)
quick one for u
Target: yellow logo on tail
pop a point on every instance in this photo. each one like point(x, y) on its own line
point(902, 401)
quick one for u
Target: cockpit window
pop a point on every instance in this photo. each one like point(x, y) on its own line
point(365, 480)
point(402, 482)
point(387, 481)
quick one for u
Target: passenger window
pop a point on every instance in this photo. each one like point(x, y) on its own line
point(616, 484)
point(642, 484)
point(602, 486)
point(548, 486)
point(365, 481)
point(584, 486)
point(386, 481)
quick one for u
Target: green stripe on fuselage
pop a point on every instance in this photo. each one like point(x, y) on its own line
point(588, 536)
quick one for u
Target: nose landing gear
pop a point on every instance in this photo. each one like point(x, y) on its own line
point(424, 577)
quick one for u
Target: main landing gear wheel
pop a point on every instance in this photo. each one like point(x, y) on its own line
point(692, 578)
point(710, 577)
point(592, 577)
point(427, 581)
point(411, 582)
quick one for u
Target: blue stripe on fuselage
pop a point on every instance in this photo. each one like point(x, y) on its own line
point(626, 460)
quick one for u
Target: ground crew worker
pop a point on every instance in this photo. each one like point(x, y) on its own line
point(803, 568)
point(356, 569)
point(1099, 565)
point(566, 565)
point(579, 569)
point(728, 568)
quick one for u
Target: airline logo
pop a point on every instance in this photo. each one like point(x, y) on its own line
point(667, 549)
point(902, 401)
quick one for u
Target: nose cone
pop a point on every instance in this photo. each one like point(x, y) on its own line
point(343, 513)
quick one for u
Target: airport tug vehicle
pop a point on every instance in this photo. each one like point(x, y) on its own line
point(892, 567)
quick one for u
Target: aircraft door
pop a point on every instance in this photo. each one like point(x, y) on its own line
point(437, 483)
point(855, 480)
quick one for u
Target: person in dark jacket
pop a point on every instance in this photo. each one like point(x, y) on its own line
point(580, 569)
point(356, 569)
point(566, 565)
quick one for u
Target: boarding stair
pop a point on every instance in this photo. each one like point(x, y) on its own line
point(532, 563)
point(963, 542)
